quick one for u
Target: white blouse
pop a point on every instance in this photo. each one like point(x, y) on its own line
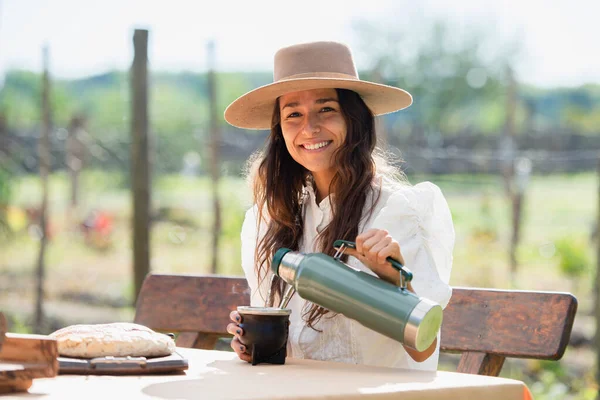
point(418, 217)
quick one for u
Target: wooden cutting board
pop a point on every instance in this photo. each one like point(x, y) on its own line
point(122, 365)
point(24, 358)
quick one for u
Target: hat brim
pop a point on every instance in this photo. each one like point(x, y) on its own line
point(254, 110)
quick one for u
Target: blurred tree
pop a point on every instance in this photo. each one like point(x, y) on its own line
point(107, 108)
point(575, 109)
point(19, 100)
point(583, 120)
point(455, 81)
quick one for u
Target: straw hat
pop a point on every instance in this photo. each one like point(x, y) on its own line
point(315, 65)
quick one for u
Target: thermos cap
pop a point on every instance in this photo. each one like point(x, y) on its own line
point(423, 324)
point(277, 259)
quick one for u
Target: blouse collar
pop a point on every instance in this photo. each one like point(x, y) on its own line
point(311, 197)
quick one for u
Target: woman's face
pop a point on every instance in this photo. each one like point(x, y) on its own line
point(313, 128)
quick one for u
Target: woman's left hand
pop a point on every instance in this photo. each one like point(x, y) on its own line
point(373, 247)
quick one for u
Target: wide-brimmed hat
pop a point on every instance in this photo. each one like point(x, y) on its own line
point(315, 65)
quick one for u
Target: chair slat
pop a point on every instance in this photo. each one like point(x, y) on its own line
point(190, 303)
point(476, 363)
point(187, 339)
point(523, 324)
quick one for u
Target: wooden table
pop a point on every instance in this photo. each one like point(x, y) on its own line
point(220, 375)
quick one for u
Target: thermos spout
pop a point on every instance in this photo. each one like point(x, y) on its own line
point(285, 264)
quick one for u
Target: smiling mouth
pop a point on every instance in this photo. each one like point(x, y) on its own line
point(317, 146)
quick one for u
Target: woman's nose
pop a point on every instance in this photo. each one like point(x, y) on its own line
point(311, 125)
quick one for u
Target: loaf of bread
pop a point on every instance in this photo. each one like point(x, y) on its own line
point(119, 339)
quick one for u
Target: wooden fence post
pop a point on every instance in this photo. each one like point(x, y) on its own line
point(597, 285)
point(214, 155)
point(44, 169)
point(514, 194)
point(140, 166)
point(74, 156)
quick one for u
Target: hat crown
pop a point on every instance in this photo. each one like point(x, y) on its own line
point(316, 58)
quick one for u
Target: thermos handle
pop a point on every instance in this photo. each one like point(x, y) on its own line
point(406, 273)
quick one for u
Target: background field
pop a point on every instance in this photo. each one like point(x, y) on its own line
point(92, 284)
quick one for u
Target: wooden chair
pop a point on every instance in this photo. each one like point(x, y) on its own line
point(488, 325)
point(196, 307)
point(485, 325)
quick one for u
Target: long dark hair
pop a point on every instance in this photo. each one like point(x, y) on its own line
point(278, 183)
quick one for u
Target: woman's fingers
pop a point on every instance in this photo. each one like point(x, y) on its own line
point(380, 251)
point(235, 317)
point(362, 238)
point(235, 330)
point(373, 247)
point(240, 349)
point(369, 239)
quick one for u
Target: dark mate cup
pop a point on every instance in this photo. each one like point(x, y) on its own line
point(265, 333)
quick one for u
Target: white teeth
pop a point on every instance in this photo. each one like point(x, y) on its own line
point(315, 146)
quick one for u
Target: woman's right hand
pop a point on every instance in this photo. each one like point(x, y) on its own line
point(237, 332)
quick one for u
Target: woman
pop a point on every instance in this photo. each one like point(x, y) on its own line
point(316, 181)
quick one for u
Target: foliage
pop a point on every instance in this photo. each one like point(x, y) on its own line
point(486, 229)
point(574, 259)
point(459, 84)
point(444, 100)
point(20, 100)
point(582, 119)
point(446, 73)
point(19, 107)
point(575, 108)
point(5, 191)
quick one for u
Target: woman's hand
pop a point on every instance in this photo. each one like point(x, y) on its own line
point(237, 332)
point(372, 249)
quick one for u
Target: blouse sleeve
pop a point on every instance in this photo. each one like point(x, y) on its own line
point(419, 218)
point(249, 236)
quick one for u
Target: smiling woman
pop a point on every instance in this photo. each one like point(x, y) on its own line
point(318, 180)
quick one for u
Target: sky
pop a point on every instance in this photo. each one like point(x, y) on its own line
point(558, 39)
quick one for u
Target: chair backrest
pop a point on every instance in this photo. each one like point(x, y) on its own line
point(485, 325)
point(488, 325)
point(195, 306)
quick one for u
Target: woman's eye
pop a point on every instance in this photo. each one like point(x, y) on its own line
point(327, 109)
point(294, 115)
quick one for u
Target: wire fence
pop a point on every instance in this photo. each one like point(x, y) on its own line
point(555, 153)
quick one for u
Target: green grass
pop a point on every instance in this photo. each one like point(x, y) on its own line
point(558, 209)
point(555, 208)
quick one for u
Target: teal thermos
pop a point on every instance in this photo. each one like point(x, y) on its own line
point(378, 305)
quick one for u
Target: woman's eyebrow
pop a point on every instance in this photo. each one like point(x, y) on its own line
point(294, 104)
point(326, 100)
point(318, 101)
